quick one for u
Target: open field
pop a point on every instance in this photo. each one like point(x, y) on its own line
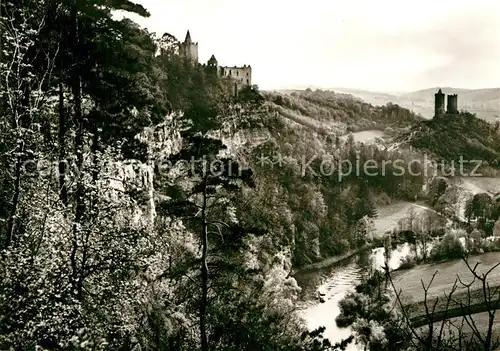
point(366, 136)
point(478, 185)
point(410, 281)
point(389, 216)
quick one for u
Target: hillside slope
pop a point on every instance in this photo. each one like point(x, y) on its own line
point(306, 196)
point(455, 136)
point(336, 112)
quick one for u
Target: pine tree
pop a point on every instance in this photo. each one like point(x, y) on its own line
point(215, 179)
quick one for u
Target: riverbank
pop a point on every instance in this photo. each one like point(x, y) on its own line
point(330, 261)
point(388, 219)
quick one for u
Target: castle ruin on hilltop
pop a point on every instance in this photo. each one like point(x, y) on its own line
point(439, 104)
point(239, 77)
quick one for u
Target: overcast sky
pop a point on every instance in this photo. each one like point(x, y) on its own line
point(379, 45)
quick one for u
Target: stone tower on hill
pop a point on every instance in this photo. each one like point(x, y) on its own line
point(189, 49)
point(212, 65)
point(439, 104)
point(452, 108)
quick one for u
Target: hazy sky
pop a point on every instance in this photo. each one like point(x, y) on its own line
point(381, 45)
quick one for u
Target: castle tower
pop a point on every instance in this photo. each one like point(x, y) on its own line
point(213, 65)
point(452, 106)
point(189, 49)
point(439, 109)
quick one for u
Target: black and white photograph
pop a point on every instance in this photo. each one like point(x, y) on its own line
point(219, 175)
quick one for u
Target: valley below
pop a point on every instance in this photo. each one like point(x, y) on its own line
point(336, 278)
point(341, 277)
point(337, 281)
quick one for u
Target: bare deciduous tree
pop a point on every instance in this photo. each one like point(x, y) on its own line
point(443, 325)
point(24, 94)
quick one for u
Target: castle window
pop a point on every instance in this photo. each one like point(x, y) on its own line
point(237, 73)
point(248, 82)
point(247, 75)
point(230, 72)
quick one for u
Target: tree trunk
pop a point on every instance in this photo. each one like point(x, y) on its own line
point(204, 272)
point(11, 224)
point(63, 167)
point(95, 150)
point(79, 141)
point(77, 99)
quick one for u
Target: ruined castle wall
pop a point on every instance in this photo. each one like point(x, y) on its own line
point(241, 75)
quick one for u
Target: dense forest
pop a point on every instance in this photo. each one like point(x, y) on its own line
point(93, 256)
point(113, 234)
point(326, 207)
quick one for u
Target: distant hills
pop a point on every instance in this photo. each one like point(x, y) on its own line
point(485, 103)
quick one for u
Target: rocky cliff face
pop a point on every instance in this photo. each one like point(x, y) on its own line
point(162, 140)
point(240, 141)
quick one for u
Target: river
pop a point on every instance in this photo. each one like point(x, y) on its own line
point(339, 278)
point(336, 281)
